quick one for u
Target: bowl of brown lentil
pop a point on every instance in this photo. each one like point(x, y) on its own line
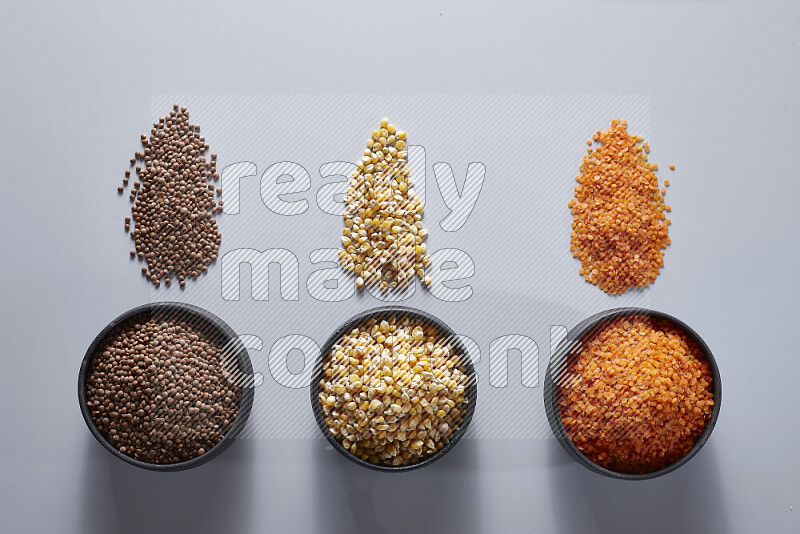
point(632, 393)
point(166, 386)
point(393, 389)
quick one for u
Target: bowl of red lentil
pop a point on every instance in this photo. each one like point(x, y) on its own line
point(632, 393)
point(408, 410)
point(166, 386)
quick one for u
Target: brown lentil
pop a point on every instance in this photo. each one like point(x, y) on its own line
point(158, 392)
point(637, 396)
point(619, 226)
point(175, 230)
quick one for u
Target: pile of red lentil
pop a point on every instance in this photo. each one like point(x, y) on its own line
point(619, 227)
point(637, 396)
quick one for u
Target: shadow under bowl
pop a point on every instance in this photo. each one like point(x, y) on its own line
point(218, 331)
point(445, 332)
point(573, 344)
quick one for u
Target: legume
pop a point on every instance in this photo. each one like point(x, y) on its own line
point(175, 231)
point(382, 241)
point(393, 391)
point(637, 396)
point(157, 390)
point(619, 227)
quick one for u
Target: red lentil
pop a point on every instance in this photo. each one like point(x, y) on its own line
point(619, 226)
point(637, 396)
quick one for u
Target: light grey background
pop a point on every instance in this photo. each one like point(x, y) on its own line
point(722, 82)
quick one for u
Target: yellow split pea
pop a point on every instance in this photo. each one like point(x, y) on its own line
point(383, 237)
point(393, 391)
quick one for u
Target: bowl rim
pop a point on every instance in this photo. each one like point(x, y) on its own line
point(568, 346)
point(243, 360)
point(457, 343)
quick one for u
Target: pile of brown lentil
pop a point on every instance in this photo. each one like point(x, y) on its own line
point(637, 396)
point(159, 391)
point(382, 241)
point(175, 231)
point(619, 227)
point(393, 391)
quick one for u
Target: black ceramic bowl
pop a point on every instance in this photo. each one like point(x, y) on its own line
point(217, 330)
point(397, 311)
point(573, 344)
